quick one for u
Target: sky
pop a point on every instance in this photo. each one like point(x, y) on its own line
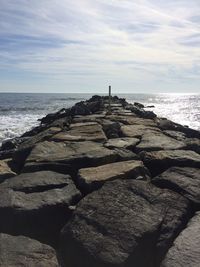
point(137, 46)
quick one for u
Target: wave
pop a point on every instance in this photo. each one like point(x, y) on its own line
point(69, 99)
point(10, 109)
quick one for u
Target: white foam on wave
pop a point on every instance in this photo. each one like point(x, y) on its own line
point(16, 124)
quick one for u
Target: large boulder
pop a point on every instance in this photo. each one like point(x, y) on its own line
point(159, 161)
point(88, 118)
point(193, 144)
point(137, 130)
point(37, 204)
point(186, 248)
point(73, 155)
point(128, 119)
point(185, 181)
point(92, 178)
point(16, 251)
point(175, 134)
point(152, 141)
point(88, 131)
point(124, 142)
point(125, 223)
point(165, 124)
point(111, 128)
point(5, 170)
point(25, 147)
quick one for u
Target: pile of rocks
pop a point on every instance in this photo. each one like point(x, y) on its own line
point(90, 188)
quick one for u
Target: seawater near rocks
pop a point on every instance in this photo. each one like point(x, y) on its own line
point(92, 188)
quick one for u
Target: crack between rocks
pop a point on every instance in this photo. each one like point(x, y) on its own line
point(40, 189)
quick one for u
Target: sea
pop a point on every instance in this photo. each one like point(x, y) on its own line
point(19, 112)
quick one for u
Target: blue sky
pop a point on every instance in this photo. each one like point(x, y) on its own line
point(84, 45)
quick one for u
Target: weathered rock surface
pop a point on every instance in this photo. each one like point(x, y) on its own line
point(37, 204)
point(74, 154)
point(88, 118)
point(111, 128)
point(185, 181)
point(165, 124)
point(186, 248)
point(137, 131)
point(16, 251)
point(128, 119)
point(125, 154)
point(158, 141)
point(25, 147)
point(159, 161)
point(5, 170)
point(66, 136)
point(125, 223)
point(113, 149)
point(193, 144)
point(126, 142)
point(93, 178)
point(175, 134)
point(88, 131)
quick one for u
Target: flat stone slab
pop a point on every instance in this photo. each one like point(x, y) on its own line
point(125, 223)
point(185, 181)
point(126, 142)
point(87, 131)
point(175, 134)
point(159, 161)
point(88, 118)
point(75, 154)
point(137, 130)
point(31, 200)
point(65, 136)
point(18, 251)
point(158, 141)
point(128, 119)
point(186, 248)
point(92, 178)
point(193, 144)
point(5, 170)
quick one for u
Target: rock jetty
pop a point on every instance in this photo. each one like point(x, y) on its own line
point(92, 187)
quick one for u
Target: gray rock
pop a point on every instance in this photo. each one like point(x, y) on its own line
point(125, 154)
point(159, 161)
point(132, 120)
point(193, 144)
point(73, 154)
point(5, 170)
point(66, 136)
point(111, 128)
point(137, 131)
point(88, 131)
point(126, 142)
point(37, 204)
point(186, 248)
point(88, 118)
point(152, 141)
point(16, 251)
point(165, 124)
point(25, 147)
point(185, 181)
point(92, 178)
point(175, 134)
point(125, 223)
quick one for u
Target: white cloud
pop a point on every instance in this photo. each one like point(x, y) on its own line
point(142, 42)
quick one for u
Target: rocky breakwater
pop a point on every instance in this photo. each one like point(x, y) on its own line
point(92, 188)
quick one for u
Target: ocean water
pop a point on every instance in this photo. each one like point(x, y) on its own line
point(20, 112)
